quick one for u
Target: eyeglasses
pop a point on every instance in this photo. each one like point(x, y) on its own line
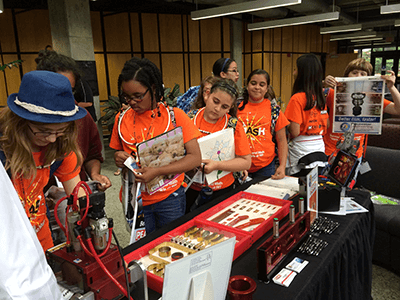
point(233, 71)
point(46, 134)
point(136, 98)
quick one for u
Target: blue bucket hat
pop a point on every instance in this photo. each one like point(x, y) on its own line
point(45, 97)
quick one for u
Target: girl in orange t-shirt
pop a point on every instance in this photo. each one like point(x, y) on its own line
point(308, 116)
point(255, 113)
point(218, 114)
point(38, 129)
point(140, 85)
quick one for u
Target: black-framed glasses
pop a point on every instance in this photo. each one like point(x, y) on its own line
point(46, 134)
point(136, 98)
point(233, 71)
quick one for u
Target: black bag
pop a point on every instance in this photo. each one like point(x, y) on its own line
point(204, 196)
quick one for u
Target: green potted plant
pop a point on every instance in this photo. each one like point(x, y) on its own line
point(113, 107)
point(170, 95)
point(14, 63)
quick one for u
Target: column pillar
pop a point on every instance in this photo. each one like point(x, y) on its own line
point(71, 32)
point(237, 47)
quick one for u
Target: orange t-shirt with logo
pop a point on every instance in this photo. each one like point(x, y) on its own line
point(312, 121)
point(30, 193)
point(256, 120)
point(136, 128)
point(331, 139)
point(241, 145)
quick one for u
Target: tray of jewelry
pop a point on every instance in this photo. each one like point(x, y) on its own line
point(180, 242)
point(247, 212)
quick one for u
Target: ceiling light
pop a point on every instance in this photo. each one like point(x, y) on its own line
point(1, 6)
point(294, 21)
point(390, 9)
point(380, 44)
point(355, 35)
point(240, 8)
point(397, 23)
point(334, 29)
point(367, 39)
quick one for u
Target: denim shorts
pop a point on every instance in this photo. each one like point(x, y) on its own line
point(161, 213)
point(265, 171)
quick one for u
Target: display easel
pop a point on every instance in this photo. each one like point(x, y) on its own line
point(201, 287)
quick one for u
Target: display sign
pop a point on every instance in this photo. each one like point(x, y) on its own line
point(312, 193)
point(202, 275)
point(358, 104)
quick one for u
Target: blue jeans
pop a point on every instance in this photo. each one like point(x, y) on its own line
point(161, 213)
point(265, 171)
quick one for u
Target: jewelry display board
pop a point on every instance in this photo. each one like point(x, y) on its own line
point(184, 240)
point(210, 228)
point(247, 212)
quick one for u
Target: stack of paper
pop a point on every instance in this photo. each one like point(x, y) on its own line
point(281, 189)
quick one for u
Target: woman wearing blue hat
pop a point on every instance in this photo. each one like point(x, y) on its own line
point(37, 129)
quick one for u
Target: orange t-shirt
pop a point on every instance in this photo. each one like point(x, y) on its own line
point(136, 128)
point(241, 145)
point(30, 193)
point(256, 120)
point(312, 121)
point(331, 139)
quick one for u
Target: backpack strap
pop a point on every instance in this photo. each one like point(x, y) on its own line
point(232, 122)
point(54, 166)
point(275, 110)
point(172, 115)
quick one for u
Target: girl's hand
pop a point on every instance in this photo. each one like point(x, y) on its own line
point(330, 81)
point(245, 174)
point(279, 173)
point(146, 174)
point(209, 165)
point(120, 157)
point(390, 79)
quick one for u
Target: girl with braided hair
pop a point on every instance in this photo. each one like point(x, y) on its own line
point(264, 123)
point(140, 85)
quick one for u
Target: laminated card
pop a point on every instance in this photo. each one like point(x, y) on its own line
point(218, 146)
point(161, 151)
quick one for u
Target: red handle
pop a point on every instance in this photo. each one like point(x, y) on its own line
point(237, 220)
point(251, 222)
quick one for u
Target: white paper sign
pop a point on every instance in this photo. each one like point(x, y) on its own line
point(201, 274)
point(312, 193)
point(218, 146)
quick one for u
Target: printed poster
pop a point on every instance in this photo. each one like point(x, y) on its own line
point(312, 193)
point(358, 104)
point(218, 146)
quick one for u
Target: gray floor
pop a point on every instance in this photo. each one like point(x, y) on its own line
point(385, 284)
